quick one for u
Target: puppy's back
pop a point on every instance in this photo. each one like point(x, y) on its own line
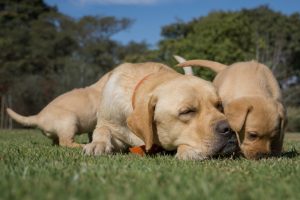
point(247, 78)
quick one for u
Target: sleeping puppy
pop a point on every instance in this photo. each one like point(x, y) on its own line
point(252, 104)
point(69, 114)
point(149, 103)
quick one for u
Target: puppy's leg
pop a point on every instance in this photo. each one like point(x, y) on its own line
point(69, 142)
point(101, 143)
point(66, 138)
point(59, 125)
point(52, 136)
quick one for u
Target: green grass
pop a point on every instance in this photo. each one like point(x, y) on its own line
point(31, 168)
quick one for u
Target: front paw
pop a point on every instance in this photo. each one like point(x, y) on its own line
point(97, 148)
point(185, 152)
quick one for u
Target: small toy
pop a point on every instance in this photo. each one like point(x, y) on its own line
point(155, 149)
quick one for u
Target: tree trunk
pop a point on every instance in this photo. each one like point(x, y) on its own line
point(2, 112)
point(10, 122)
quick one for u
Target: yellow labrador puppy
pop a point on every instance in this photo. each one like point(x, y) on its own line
point(149, 103)
point(69, 114)
point(252, 104)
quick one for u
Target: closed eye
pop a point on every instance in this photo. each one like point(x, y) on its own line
point(187, 111)
point(252, 136)
point(186, 114)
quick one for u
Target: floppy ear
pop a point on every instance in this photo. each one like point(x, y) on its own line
point(283, 123)
point(236, 113)
point(140, 121)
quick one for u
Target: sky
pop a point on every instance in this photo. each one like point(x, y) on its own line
point(151, 15)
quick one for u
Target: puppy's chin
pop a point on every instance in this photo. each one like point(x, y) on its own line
point(251, 156)
point(254, 154)
point(185, 152)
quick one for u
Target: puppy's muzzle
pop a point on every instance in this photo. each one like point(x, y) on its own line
point(228, 141)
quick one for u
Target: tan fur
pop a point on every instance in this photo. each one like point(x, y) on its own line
point(69, 114)
point(155, 119)
point(252, 103)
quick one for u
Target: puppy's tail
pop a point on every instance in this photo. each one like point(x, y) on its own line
point(29, 121)
point(214, 66)
point(187, 69)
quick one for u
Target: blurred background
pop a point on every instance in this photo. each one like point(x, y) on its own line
point(48, 47)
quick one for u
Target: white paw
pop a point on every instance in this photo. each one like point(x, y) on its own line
point(97, 148)
point(185, 152)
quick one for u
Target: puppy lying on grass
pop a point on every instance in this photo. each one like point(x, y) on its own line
point(150, 104)
point(69, 114)
point(252, 104)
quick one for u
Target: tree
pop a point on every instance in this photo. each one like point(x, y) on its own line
point(46, 53)
point(227, 37)
point(276, 39)
point(23, 53)
point(220, 36)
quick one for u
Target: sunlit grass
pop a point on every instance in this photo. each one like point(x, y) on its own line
point(31, 168)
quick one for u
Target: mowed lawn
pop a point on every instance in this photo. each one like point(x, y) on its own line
point(31, 168)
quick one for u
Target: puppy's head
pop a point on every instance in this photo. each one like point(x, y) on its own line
point(260, 124)
point(183, 113)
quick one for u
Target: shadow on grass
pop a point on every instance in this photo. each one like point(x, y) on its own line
point(287, 154)
point(290, 154)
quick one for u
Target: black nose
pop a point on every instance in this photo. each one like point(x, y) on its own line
point(223, 128)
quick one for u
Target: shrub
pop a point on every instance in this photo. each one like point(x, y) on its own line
point(293, 115)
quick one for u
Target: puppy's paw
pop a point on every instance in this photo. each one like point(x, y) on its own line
point(97, 148)
point(185, 152)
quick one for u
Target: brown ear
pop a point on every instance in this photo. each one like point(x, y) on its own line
point(140, 121)
point(282, 114)
point(236, 113)
point(283, 122)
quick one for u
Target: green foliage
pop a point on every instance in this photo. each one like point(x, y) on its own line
point(220, 36)
point(291, 96)
point(33, 169)
point(227, 37)
point(293, 115)
point(53, 53)
point(20, 50)
point(277, 39)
